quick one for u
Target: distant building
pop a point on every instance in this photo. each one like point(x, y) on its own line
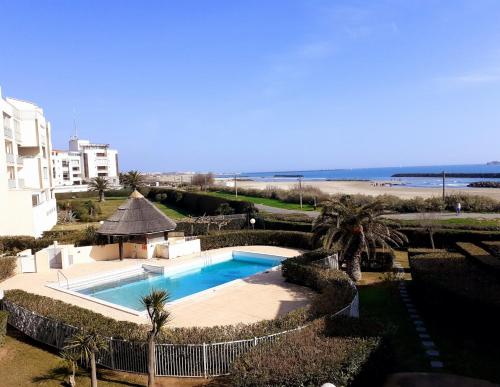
point(27, 203)
point(83, 162)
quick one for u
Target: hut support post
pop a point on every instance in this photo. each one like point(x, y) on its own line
point(120, 248)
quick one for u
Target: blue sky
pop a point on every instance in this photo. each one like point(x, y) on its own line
point(262, 85)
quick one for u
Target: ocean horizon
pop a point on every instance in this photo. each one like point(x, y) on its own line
point(384, 174)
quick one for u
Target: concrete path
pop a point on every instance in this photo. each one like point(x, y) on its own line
point(443, 215)
point(423, 379)
point(275, 210)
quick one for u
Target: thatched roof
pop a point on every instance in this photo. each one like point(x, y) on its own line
point(137, 216)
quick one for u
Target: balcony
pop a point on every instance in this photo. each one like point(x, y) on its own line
point(10, 158)
point(19, 160)
point(18, 135)
point(12, 183)
point(8, 132)
point(21, 183)
point(43, 139)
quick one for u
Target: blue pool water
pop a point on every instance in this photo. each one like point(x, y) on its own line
point(128, 291)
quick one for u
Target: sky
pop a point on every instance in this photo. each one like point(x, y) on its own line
point(230, 86)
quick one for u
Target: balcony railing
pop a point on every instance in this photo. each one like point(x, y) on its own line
point(18, 135)
point(43, 139)
point(19, 160)
point(10, 158)
point(12, 183)
point(21, 183)
point(8, 132)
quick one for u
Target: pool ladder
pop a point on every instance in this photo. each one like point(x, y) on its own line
point(59, 272)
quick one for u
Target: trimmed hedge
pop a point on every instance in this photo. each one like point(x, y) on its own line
point(423, 250)
point(316, 355)
point(269, 224)
point(7, 267)
point(447, 238)
point(479, 255)
point(293, 239)
point(93, 194)
point(448, 279)
point(198, 203)
point(3, 326)
point(493, 247)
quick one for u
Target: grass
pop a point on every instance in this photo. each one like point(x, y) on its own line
point(455, 222)
point(173, 212)
point(380, 300)
point(264, 201)
point(24, 363)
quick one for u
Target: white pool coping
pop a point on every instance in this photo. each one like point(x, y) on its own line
point(175, 269)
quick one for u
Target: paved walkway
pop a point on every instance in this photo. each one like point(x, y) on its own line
point(443, 215)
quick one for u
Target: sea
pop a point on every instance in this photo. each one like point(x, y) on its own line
point(383, 174)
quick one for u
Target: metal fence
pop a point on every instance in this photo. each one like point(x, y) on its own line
point(191, 360)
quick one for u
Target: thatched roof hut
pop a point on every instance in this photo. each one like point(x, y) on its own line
point(137, 217)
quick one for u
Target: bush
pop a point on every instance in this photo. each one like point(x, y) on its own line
point(294, 239)
point(310, 357)
point(423, 250)
point(480, 255)
point(7, 267)
point(3, 326)
point(269, 224)
point(447, 238)
point(493, 247)
point(200, 203)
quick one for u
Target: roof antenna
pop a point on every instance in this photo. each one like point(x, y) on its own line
point(75, 136)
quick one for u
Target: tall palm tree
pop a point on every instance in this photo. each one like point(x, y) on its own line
point(155, 305)
point(351, 229)
point(133, 179)
point(86, 345)
point(99, 184)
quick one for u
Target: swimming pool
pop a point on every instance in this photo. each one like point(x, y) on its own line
point(182, 281)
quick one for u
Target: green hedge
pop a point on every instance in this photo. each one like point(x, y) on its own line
point(293, 239)
point(93, 194)
point(423, 250)
point(7, 267)
point(198, 203)
point(492, 247)
point(269, 224)
point(479, 255)
point(316, 355)
point(3, 326)
point(447, 238)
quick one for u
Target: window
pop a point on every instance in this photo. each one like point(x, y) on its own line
point(65, 164)
point(35, 200)
point(102, 174)
point(66, 176)
point(44, 152)
point(100, 154)
point(76, 168)
point(102, 167)
point(45, 173)
point(54, 172)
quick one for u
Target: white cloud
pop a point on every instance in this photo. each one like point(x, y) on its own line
point(472, 78)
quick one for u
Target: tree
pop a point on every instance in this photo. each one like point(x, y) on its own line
point(352, 229)
point(84, 345)
point(99, 184)
point(133, 179)
point(155, 306)
point(203, 179)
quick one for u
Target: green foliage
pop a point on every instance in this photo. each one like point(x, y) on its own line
point(300, 240)
point(7, 267)
point(197, 203)
point(225, 209)
point(493, 247)
point(270, 224)
point(133, 180)
point(423, 250)
point(447, 238)
point(311, 357)
point(3, 326)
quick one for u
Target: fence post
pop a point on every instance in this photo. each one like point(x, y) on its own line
point(205, 360)
point(111, 353)
point(255, 341)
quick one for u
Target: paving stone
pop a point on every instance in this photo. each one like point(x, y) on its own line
point(424, 335)
point(421, 329)
point(412, 310)
point(428, 344)
point(437, 364)
point(414, 316)
point(418, 322)
point(432, 352)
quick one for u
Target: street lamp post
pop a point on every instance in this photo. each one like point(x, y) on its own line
point(300, 191)
point(235, 186)
point(252, 222)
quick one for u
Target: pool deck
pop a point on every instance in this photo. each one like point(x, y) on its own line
point(262, 296)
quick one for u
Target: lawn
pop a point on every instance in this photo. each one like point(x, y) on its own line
point(24, 363)
point(456, 222)
point(257, 200)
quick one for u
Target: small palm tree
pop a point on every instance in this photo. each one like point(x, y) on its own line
point(133, 179)
point(71, 357)
point(85, 346)
point(155, 305)
point(99, 184)
point(352, 229)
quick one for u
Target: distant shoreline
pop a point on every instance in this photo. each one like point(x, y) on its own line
point(455, 175)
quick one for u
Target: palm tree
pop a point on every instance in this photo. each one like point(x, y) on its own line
point(155, 305)
point(71, 357)
point(352, 229)
point(85, 345)
point(99, 184)
point(133, 179)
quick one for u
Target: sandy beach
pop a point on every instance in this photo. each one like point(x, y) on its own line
point(368, 188)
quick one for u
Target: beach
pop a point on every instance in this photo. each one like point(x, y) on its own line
point(369, 188)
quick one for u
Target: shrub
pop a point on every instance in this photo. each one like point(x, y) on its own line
point(309, 357)
point(199, 203)
point(3, 326)
point(423, 250)
point(493, 247)
point(294, 239)
point(269, 224)
point(447, 238)
point(7, 267)
point(480, 255)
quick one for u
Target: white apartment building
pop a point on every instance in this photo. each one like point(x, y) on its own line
point(27, 203)
point(82, 162)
